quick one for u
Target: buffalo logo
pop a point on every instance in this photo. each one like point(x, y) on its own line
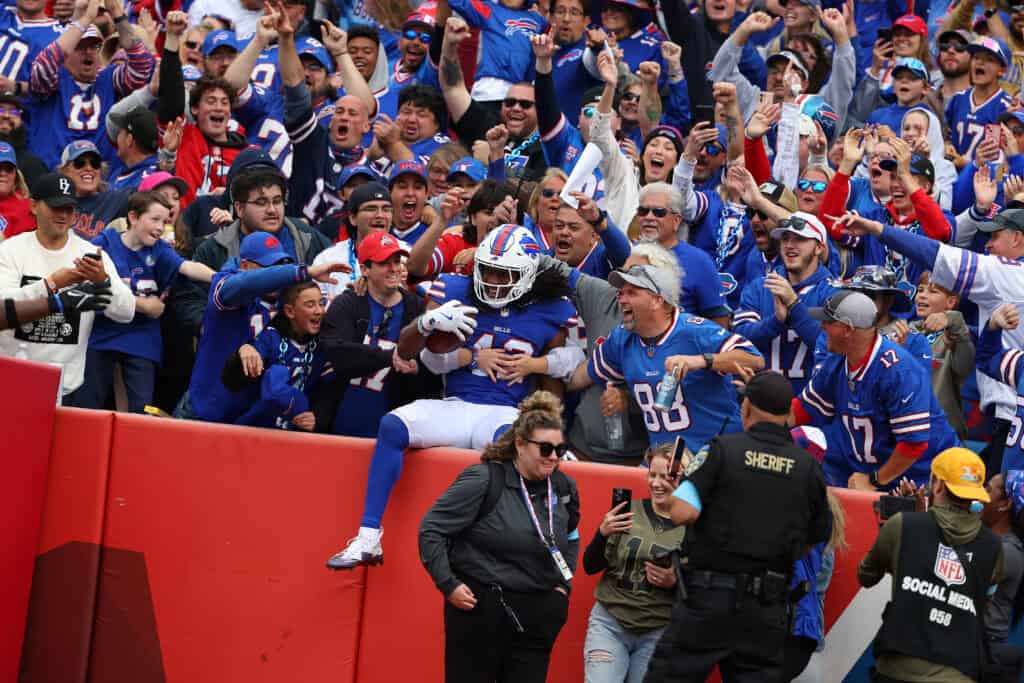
point(527, 26)
point(570, 56)
point(729, 283)
point(948, 567)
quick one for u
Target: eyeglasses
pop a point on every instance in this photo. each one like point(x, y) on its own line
point(630, 97)
point(547, 448)
point(387, 208)
point(588, 111)
point(10, 111)
point(525, 105)
point(887, 165)
point(713, 148)
point(954, 45)
point(384, 322)
point(815, 186)
point(548, 193)
point(410, 34)
point(658, 211)
point(93, 162)
point(192, 44)
point(264, 202)
point(574, 12)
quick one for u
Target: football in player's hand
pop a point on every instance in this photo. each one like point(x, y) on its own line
point(443, 342)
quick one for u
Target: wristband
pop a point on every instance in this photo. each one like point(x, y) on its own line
point(302, 274)
point(12, 314)
point(601, 217)
point(709, 361)
point(873, 479)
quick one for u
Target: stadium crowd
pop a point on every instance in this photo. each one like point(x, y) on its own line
point(405, 221)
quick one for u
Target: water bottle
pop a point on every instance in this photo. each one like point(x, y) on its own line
point(613, 428)
point(666, 392)
point(22, 351)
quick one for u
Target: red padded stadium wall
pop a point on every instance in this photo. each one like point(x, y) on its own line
point(26, 413)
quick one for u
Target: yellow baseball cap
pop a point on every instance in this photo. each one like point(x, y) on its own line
point(963, 472)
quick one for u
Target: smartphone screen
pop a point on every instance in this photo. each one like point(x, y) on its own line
point(622, 496)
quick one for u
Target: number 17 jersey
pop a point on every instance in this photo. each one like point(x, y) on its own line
point(705, 401)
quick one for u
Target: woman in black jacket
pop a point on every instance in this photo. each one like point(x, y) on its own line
point(359, 337)
point(501, 545)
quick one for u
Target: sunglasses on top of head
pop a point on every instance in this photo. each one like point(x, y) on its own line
point(510, 102)
point(547, 448)
point(815, 186)
point(410, 34)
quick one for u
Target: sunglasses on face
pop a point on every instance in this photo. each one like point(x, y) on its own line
point(547, 448)
point(548, 193)
point(410, 34)
point(80, 162)
point(815, 186)
point(887, 165)
point(713, 148)
point(630, 97)
point(192, 44)
point(954, 45)
point(751, 213)
point(658, 211)
point(588, 111)
point(510, 102)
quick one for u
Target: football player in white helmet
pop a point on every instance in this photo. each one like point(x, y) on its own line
point(504, 325)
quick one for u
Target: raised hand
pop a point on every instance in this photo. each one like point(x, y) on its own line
point(596, 38)
point(835, 23)
point(649, 72)
point(544, 48)
point(252, 361)
point(334, 38)
point(385, 130)
point(456, 30)
point(700, 135)
point(672, 54)
point(1005, 317)
point(322, 272)
point(724, 93)
point(452, 204)
point(1013, 185)
point(766, 116)
point(607, 68)
point(176, 23)
point(985, 189)
point(758, 22)
point(497, 138)
point(854, 224)
point(172, 134)
point(616, 521)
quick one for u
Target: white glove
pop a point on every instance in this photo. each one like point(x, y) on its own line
point(451, 316)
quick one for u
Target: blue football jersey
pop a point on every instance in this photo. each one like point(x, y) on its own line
point(266, 74)
point(788, 347)
point(571, 78)
point(517, 329)
point(411, 235)
point(21, 41)
point(366, 399)
point(705, 403)
point(722, 231)
point(236, 312)
point(150, 271)
point(887, 399)
point(967, 122)
point(1007, 366)
point(73, 113)
point(261, 112)
point(505, 49)
point(421, 152)
point(702, 292)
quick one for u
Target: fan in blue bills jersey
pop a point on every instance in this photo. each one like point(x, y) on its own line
point(22, 39)
point(1006, 366)
point(675, 365)
point(261, 112)
point(287, 360)
point(969, 111)
point(498, 317)
point(888, 422)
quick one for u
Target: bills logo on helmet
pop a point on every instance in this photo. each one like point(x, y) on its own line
point(948, 567)
point(505, 265)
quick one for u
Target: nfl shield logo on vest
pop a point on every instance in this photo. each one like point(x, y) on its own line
point(948, 567)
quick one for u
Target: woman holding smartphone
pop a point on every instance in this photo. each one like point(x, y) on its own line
point(634, 598)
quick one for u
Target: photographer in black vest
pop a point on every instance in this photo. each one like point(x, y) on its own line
point(944, 563)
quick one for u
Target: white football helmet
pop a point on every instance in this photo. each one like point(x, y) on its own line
point(505, 265)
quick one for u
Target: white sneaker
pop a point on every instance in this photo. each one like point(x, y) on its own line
point(365, 549)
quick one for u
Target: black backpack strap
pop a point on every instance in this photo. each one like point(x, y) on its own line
point(495, 485)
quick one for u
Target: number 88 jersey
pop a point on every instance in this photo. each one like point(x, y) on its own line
point(705, 403)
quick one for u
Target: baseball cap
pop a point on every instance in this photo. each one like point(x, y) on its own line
point(813, 4)
point(370, 192)
point(11, 98)
point(803, 224)
point(311, 47)
point(141, 123)
point(993, 45)
point(8, 155)
point(55, 189)
point(354, 170)
point(470, 167)
point(768, 391)
point(76, 149)
point(912, 22)
point(420, 19)
point(379, 246)
point(156, 180)
point(958, 33)
point(914, 66)
point(651, 278)
point(407, 167)
point(793, 58)
point(848, 307)
point(263, 248)
point(963, 473)
point(91, 33)
point(593, 94)
point(1008, 116)
point(1009, 219)
point(779, 195)
point(811, 439)
point(922, 166)
point(216, 39)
